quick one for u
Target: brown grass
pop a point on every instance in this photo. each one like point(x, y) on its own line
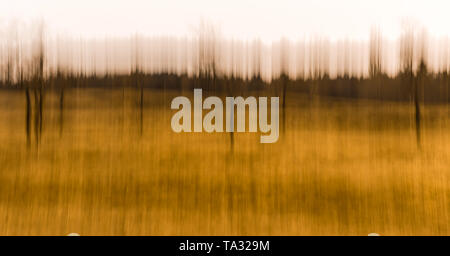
point(343, 167)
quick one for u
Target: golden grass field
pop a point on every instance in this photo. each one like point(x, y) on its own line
point(340, 167)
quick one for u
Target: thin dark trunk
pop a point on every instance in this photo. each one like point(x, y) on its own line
point(284, 104)
point(417, 111)
point(122, 119)
point(61, 111)
point(28, 116)
point(141, 114)
point(231, 121)
point(36, 116)
point(231, 141)
point(41, 108)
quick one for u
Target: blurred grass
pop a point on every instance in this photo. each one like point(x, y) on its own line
point(342, 167)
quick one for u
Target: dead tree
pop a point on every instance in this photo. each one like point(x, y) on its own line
point(375, 59)
point(138, 83)
point(61, 83)
point(284, 66)
point(407, 62)
point(421, 75)
point(38, 84)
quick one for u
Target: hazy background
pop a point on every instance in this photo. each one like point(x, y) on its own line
point(268, 20)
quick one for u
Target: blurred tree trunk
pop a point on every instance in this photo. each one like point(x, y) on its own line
point(61, 111)
point(416, 83)
point(284, 80)
point(28, 116)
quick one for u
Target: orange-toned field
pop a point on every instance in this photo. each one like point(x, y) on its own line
point(340, 167)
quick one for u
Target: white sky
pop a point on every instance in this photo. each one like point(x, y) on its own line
point(268, 20)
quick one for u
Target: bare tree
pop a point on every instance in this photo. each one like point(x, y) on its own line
point(137, 80)
point(375, 53)
point(421, 74)
point(207, 49)
point(284, 75)
point(38, 82)
point(408, 60)
point(375, 56)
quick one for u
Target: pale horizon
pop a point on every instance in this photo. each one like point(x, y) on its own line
point(248, 20)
